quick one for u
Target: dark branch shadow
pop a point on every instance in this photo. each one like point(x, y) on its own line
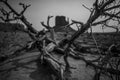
point(43, 72)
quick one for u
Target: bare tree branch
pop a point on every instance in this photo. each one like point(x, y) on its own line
point(95, 40)
point(114, 27)
point(48, 23)
point(101, 22)
point(87, 8)
point(111, 15)
point(48, 20)
point(21, 17)
point(46, 26)
point(78, 22)
point(99, 9)
point(106, 4)
point(113, 7)
point(95, 14)
point(24, 8)
point(96, 5)
point(12, 10)
point(89, 62)
point(78, 27)
point(7, 15)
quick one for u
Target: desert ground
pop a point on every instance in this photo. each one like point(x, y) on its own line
point(27, 66)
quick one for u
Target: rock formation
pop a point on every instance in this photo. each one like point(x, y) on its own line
point(60, 23)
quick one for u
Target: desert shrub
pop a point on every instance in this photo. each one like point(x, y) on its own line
point(11, 41)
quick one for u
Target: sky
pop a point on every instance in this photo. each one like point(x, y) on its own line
point(40, 9)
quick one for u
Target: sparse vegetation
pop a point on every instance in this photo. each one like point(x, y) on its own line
point(55, 58)
point(11, 41)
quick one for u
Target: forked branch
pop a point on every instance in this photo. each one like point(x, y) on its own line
point(24, 8)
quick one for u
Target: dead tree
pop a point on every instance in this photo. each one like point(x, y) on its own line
point(101, 8)
point(102, 12)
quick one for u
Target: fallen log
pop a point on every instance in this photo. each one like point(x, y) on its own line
point(57, 70)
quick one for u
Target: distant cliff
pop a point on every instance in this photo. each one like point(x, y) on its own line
point(60, 22)
point(11, 27)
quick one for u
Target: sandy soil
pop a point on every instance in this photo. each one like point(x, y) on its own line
point(27, 68)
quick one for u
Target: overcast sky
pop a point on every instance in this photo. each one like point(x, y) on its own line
point(40, 9)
